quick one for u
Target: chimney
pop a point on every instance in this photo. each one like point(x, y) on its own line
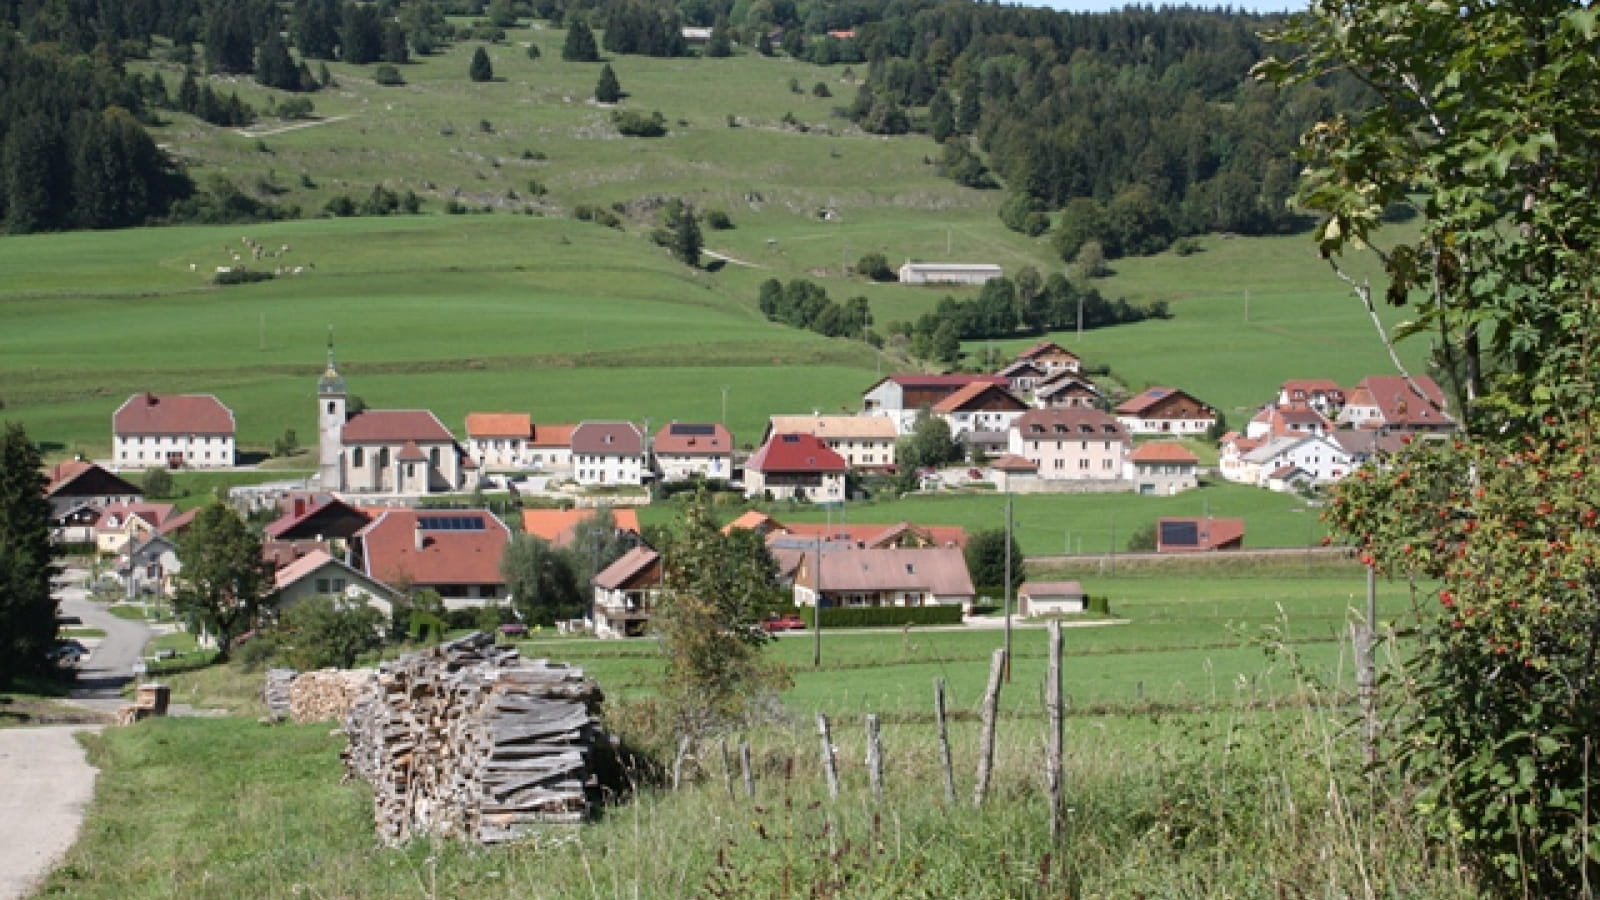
point(299, 506)
point(150, 399)
point(421, 540)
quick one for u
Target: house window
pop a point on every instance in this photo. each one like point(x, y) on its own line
point(323, 586)
point(330, 407)
point(1083, 464)
point(358, 458)
point(433, 455)
point(411, 469)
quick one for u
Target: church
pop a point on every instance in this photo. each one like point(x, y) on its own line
point(384, 451)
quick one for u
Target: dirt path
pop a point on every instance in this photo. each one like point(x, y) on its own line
point(730, 260)
point(269, 132)
point(46, 783)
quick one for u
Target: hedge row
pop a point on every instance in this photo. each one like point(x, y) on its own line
point(884, 616)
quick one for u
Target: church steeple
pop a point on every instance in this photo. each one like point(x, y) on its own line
point(331, 381)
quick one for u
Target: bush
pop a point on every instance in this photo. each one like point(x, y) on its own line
point(636, 124)
point(387, 75)
point(240, 276)
point(876, 267)
point(718, 220)
point(883, 616)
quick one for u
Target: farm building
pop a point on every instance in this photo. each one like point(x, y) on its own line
point(179, 431)
point(901, 397)
point(948, 273)
point(1049, 598)
point(1165, 410)
point(1198, 535)
point(979, 407)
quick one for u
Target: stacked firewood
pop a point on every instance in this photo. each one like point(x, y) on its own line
point(276, 692)
point(327, 694)
point(469, 741)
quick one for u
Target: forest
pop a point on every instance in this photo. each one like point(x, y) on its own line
point(1129, 130)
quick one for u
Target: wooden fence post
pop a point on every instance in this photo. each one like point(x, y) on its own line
point(1054, 706)
point(874, 756)
point(829, 763)
point(744, 768)
point(991, 708)
point(727, 769)
point(944, 741)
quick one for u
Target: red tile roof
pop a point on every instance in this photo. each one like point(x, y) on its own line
point(753, 520)
point(558, 525)
point(1163, 451)
point(392, 426)
point(871, 536)
point(970, 395)
point(148, 413)
point(1014, 463)
point(795, 453)
point(411, 453)
point(284, 553)
point(513, 425)
point(446, 556)
point(693, 439)
point(315, 561)
point(176, 524)
point(329, 506)
point(608, 439)
point(1212, 533)
point(1397, 401)
point(1070, 422)
point(552, 436)
point(116, 515)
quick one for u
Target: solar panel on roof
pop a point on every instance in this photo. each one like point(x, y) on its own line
point(697, 430)
point(450, 523)
point(791, 438)
point(1180, 534)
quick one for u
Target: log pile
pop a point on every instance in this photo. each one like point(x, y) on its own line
point(469, 741)
point(326, 695)
point(275, 694)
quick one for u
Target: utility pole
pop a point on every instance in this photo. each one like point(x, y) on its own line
point(1247, 306)
point(1113, 546)
point(724, 404)
point(816, 630)
point(1008, 587)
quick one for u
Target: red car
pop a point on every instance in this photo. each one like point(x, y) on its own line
point(785, 622)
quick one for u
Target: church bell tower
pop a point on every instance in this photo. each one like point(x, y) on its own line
point(331, 396)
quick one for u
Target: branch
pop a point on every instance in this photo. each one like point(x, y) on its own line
point(1363, 291)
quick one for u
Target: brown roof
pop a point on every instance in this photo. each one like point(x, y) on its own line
point(608, 439)
point(1397, 400)
point(1210, 533)
point(78, 478)
point(970, 395)
point(176, 524)
point(638, 567)
point(1154, 397)
point(938, 570)
point(753, 520)
point(870, 536)
point(878, 427)
point(558, 525)
point(448, 555)
point(393, 426)
point(116, 515)
point(1014, 463)
point(1044, 347)
point(1050, 589)
point(693, 439)
point(1069, 422)
point(514, 425)
point(1163, 451)
point(283, 553)
point(552, 435)
point(148, 413)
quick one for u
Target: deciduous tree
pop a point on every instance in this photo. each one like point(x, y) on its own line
point(224, 579)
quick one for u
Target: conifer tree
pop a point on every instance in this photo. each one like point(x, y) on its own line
point(607, 89)
point(481, 69)
point(580, 45)
point(27, 559)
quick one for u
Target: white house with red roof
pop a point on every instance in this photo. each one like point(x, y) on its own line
point(1051, 357)
point(980, 407)
point(1066, 389)
point(1069, 444)
point(1165, 410)
point(1162, 468)
point(856, 577)
point(1287, 420)
point(317, 574)
point(455, 552)
point(902, 397)
point(865, 442)
point(1321, 394)
point(178, 431)
point(796, 465)
point(685, 450)
point(500, 441)
point(608, 453)
point(1395, 403)
point(385, 451)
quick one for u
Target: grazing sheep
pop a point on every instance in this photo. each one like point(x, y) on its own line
point(191, 267)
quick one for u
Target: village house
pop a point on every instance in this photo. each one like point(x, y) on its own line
point(1292, 420)
point(948, 273)
point(867, 443)
point(550, 448)
point(608, 453)
point(625, 594)
point(1189, 534)
point(454, 552)
point(560, 526)
point(1050, 598)
point(1321, 394)
point(902, 397)
point(685, 450)
point(125, 525)
point(77, 491)
point(1319, 457)
point(1233, 463)
point(1392, 403)
point(864, 535)
point(853, 577)
point(1023, 375)
point(979, 407)
point(1067, 390)
point(1070, 444)
point(1162, 468)
point(500, 441)
point(318, 574)
point(1165, 410)
point(795, 465)
point(1052, 358)
point(385, 451)
point(327, 522)
point(175, 431)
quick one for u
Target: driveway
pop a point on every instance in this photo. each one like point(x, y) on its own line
point(46, 783)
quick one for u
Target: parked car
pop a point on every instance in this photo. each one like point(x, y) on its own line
point(67, 652)
point(785, 622)
point(513, 629)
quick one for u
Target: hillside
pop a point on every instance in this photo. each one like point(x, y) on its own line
point(570, 319)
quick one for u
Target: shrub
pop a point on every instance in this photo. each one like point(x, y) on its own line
point(387, 75)
point(883, 616)
point(635, 124)
point(718, 220)
point(820, 90)
point(876, 267)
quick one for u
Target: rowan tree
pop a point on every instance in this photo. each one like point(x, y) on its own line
point(224, 579)
point(27, 559)
point(1483, 122)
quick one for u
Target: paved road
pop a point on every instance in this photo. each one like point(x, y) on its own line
point(110, 665)
point(46, 783)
